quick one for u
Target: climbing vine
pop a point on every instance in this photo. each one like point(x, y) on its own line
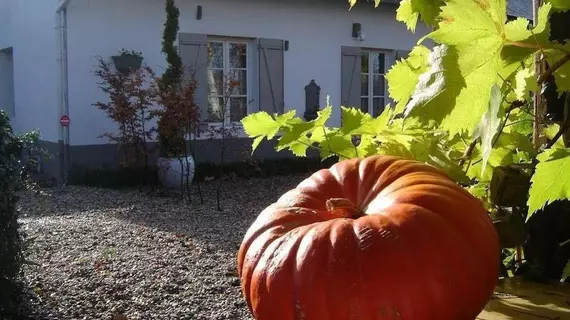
point(466, 105)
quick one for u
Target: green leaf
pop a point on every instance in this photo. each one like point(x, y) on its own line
point(521, 42)
point(559, 4)
point(550, 132)
point(516, 141)
point(406, 14)
point(562, 74)
point(565, 272)
point(489, 125)
point(353, 118)
point(520, 121)
point(524, 83)
point(403, 76)
point(296, 137)
point(551, 180)
point(338, 144)
point(475, 29)
point(517, 29)
point(437, 89)
point(409, 11)
point(262, 125)
point(367, 147)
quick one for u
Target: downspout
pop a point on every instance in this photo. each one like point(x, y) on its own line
point(63, 143)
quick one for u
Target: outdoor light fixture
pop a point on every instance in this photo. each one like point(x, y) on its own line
point(356, 29)
point(357, 32)
point(199, 13)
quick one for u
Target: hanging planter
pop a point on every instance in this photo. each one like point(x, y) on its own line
point(127, 61)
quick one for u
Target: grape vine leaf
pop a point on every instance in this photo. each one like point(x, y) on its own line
point(559, 4)
point(261, 125)
point(403, 76)
point(410, 11)
point(352, 119)
point(562, 74)
point(295, 136)
point(337, 143)
point(437, 88)
point(551, 179)
point(550, 131)
point(489, 125)
point(523, 43)
point(464, 23)
point(406, 14)
point(525, 82)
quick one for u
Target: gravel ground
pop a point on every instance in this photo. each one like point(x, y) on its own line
point(106, 253)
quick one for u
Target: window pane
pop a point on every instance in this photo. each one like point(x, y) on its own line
point(377, 106)
point(238, 108)
point(215, 109)
point(216, 54)
point(364, 63)
point(237, 83)
point(377, 62)
point(364, 85)
point(364, 105)
point(238, 55)
point(378, 86)
point(215, 82)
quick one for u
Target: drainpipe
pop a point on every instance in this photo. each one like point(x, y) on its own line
point(63, 143)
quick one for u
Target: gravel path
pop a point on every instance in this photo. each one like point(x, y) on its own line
point(106, 253)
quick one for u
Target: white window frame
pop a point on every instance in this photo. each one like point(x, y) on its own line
point(389, 57)
point(226, 69)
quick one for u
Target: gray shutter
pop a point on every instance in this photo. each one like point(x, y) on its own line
point(193, 50)
point(351, 65)
point(271, 75)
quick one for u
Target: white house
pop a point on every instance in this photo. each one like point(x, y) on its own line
point(48, 54)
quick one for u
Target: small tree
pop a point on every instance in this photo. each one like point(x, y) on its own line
point(131, 106)
point(225, 132)
point(179, 122)
point(171, 138)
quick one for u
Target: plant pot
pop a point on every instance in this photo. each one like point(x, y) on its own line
point(509, 186)
point(126, 64)
point(172, 172)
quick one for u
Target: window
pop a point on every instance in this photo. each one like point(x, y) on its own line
point(228, 80)
point(373, 82)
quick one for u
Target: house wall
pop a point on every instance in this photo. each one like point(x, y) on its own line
point(35, 61)
point(7, 83)
point(316, 30)
point(5, 24)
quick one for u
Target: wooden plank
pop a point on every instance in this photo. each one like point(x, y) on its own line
point(521, 300)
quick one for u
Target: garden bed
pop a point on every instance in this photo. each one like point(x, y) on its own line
point(105, 253)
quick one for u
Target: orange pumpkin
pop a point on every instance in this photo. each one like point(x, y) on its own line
point(374, 238)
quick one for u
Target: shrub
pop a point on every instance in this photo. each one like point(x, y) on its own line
point(14, 176)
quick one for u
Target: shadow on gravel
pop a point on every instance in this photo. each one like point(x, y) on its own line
point(241, 201)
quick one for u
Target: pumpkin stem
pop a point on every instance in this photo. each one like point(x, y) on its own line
point(343, 207)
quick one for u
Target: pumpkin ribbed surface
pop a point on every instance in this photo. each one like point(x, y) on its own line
point(374, 238)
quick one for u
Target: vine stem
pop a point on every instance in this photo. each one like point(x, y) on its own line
point(564, 127)
point(467, 154)
point(544, 76)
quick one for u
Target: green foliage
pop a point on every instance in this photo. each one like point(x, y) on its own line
point(170, 137)
point(551, 180)
point(14, 176)
point(464, 106)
